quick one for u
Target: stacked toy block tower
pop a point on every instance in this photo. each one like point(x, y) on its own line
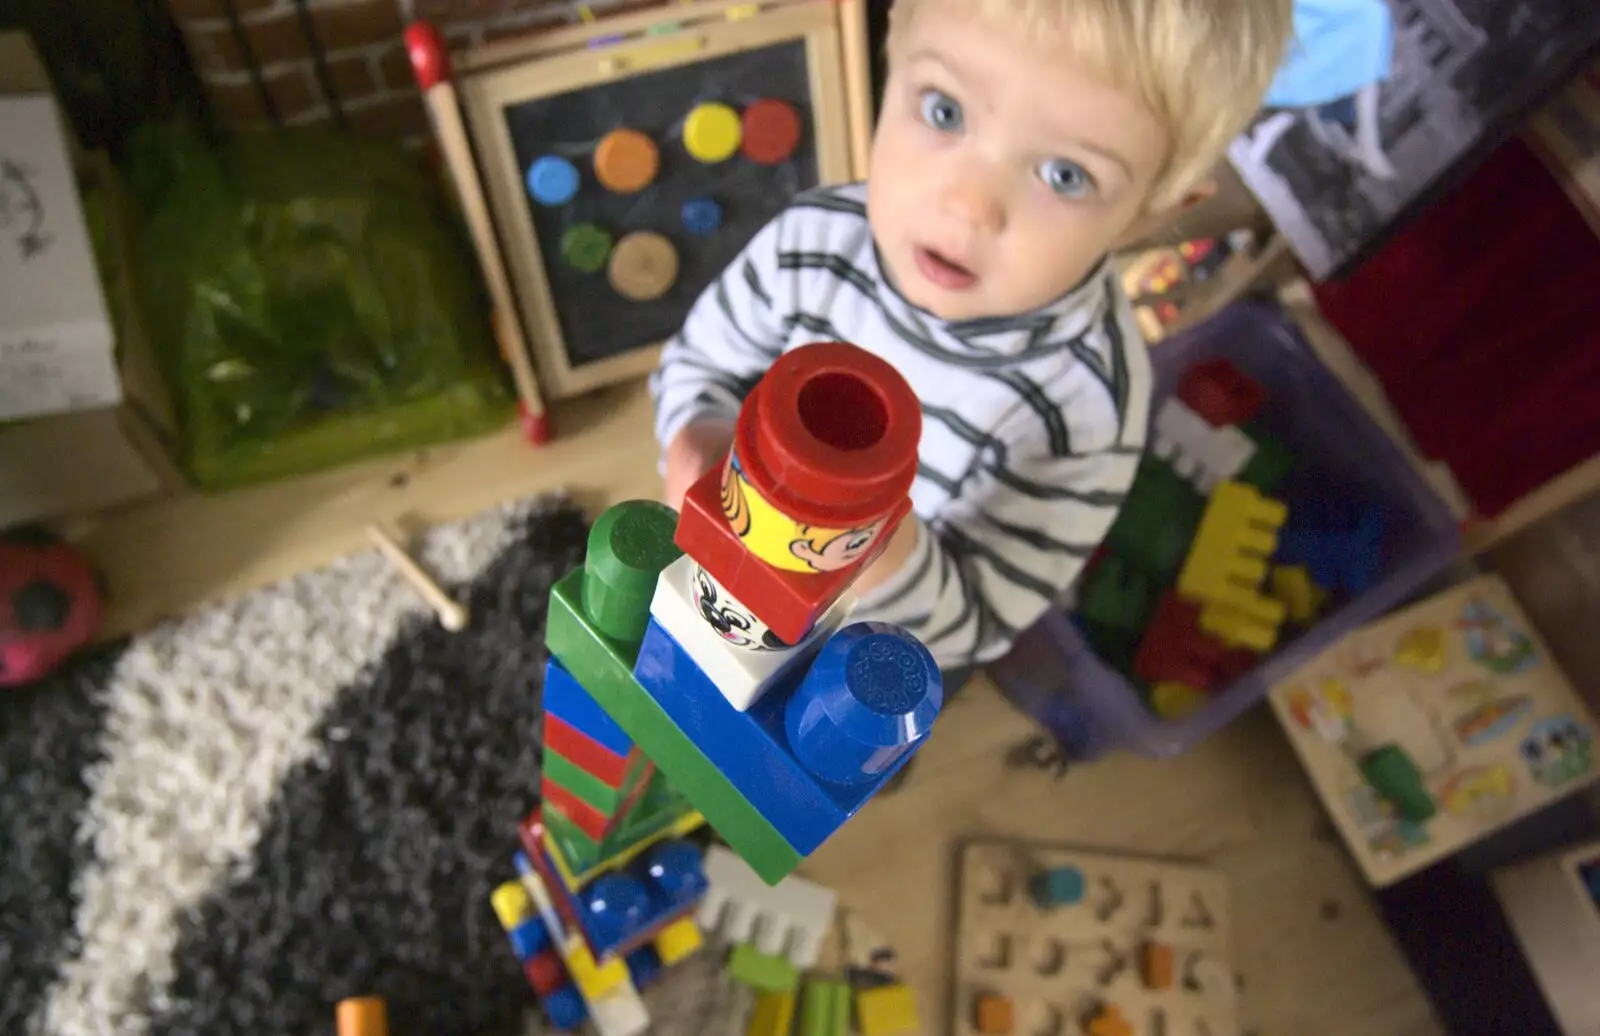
point(741, 677)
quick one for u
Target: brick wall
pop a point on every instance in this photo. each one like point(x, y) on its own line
point(298, 62)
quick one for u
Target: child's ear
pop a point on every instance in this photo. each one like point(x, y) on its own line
point(1152, 223)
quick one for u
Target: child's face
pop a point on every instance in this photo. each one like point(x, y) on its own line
point(1001, 174)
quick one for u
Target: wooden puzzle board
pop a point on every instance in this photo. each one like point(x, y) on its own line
point(1059, 967)
point(1464, 684)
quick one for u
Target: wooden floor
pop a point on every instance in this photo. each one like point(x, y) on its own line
point(1315, 958)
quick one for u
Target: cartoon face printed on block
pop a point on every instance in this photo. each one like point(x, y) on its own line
point(1493, 641)
point(1557, 750)
point(733, 622)
point(735, 507)
point(828, 550)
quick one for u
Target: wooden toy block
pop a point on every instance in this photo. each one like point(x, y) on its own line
point(887, 1011)
point(1155, 966)
point(1220, 392)
point(605, 670)
point(1176, 650)
point(619, 1011)
point(1057, 886)
point(764, 971)
point(1228, 562)
point(996, 1016)
point(1457, 724)
point(678, 941)
point(790, 919)
point(810, 753)
point(362, 1016)
point(788, 603)
point(825, 1009)
point(726, 640)
point(1095, 955)
point(1156, 523)
point(1302, 598)
point(773, 1014)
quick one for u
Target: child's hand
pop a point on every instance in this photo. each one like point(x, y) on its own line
point(693, 452)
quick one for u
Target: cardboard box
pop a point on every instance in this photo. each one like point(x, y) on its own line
point(56, 341)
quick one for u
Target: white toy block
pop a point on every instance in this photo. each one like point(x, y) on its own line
point(734, 649)
point(621, 1012)
point(790, 919)
point(1196, 450)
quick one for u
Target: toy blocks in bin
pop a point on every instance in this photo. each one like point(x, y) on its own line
point(1256, 558)
point(720, 644)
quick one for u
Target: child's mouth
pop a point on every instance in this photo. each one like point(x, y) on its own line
point(943, 272)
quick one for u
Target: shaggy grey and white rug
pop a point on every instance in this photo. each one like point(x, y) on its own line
point(226, 825)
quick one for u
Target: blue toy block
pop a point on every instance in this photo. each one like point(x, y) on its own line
point(618, 909)
point(529, 939)
point(565, 698)
point(644, 966)
point(1058, 886)
point(1339, 543)
point(565, 1008)
point(753, 749)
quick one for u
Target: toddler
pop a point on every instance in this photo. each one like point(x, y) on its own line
point(1019, 143)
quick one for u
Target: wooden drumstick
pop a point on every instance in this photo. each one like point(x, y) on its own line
point(431, 66)
point(452, 614)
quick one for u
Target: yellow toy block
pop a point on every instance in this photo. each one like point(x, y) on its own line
point(887, 1011)
point(677, 941)
point(1173, 700)
point(511, 905)
point(1228, 561)
point(1238, 629)
point(594, 980)
point(772, 1015)
point(1292, 585)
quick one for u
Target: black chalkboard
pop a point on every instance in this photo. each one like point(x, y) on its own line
point(596, 322)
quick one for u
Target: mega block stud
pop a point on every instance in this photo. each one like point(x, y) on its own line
point(825, 450)
point(869, 699)
point(629, 545)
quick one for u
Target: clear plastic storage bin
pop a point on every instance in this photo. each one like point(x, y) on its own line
point(1054, 675)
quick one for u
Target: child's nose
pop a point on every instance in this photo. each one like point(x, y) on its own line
point(976, 208)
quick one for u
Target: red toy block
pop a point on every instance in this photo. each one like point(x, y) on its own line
point(789, 603)
point(584, 817)
point(1175, 649)
point(1221, 393)
point(545, 973)
point(578, 747)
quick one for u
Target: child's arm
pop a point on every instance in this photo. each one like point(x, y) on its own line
point(1003, 553)
point(732, 334)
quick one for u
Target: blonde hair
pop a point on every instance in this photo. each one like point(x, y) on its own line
point(1200, 66)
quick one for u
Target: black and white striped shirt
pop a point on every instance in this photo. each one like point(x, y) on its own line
point(1032, 425)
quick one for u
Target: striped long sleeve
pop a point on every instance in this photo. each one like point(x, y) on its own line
point(1032, 424)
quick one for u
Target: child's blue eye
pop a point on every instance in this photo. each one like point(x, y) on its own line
point(1068, 179)
point(941, 111)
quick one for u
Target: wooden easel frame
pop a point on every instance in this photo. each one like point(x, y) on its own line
point(509, 72)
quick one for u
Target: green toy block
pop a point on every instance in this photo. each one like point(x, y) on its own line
point(1269, 465)
point(825, 1009)
point(579, 850)
point(1117, 596)
point(1157, 522)
point(589, 789)
point(605, 669)
point(628, 547)
point(763, 971)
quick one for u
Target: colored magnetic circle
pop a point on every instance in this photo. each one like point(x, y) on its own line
point(626, 161)
point(643, 266)
point(771, 131)
point(552, 180)
point(702, 216)
point(585, 247)
point(712, 132)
